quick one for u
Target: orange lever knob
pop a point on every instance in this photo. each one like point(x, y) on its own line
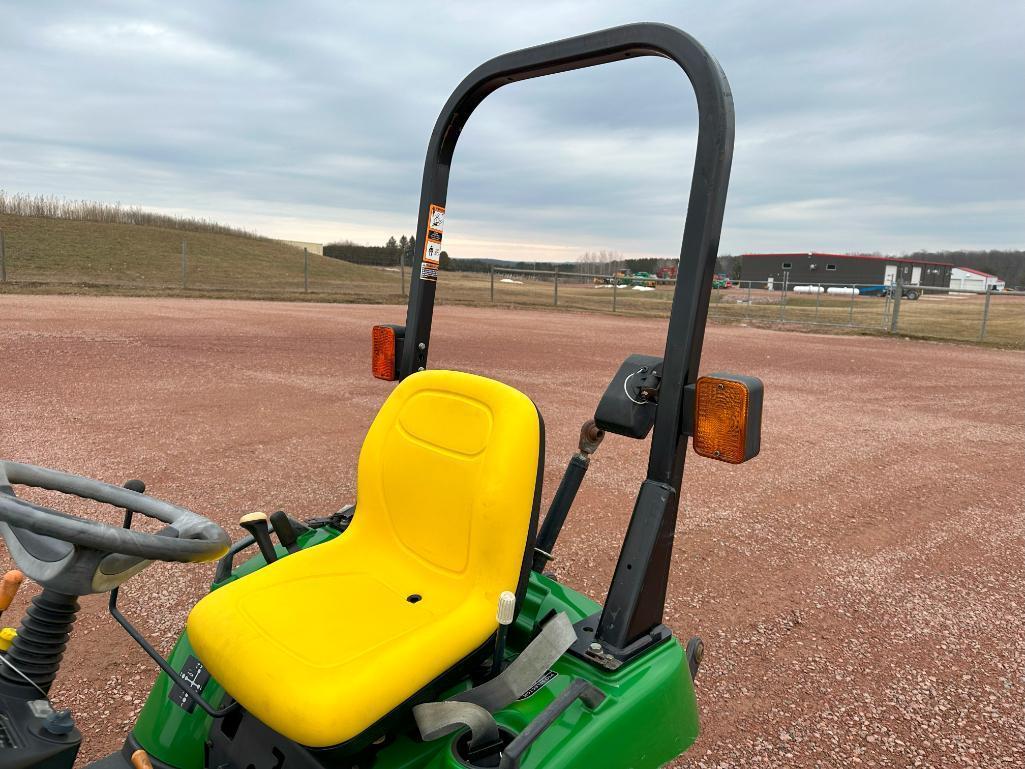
point(9, 588)
point(140, 760)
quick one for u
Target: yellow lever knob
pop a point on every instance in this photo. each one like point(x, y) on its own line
point(7, 636)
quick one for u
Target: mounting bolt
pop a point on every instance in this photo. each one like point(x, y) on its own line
point(421, 346)
point(596, 647)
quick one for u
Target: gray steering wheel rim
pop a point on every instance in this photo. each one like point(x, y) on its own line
point(199, 539)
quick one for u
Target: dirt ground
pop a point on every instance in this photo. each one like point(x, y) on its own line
point(860, 585)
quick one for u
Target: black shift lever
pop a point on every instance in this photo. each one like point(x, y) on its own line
point(286, 531)
point(139, 488)
point(256, 525)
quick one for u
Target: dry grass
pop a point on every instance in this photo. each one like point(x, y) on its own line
point(96, 257)
point(52, 207)
point(67, 256)
point(939, 316)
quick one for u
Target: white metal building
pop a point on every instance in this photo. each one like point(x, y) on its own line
point(966, 278)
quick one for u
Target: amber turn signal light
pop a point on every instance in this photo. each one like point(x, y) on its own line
point(728, 417)
point(387, 347)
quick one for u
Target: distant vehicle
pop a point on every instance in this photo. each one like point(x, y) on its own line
point(643, 279)
point(627, 278)
point(908, 292)
point(666, 273)
point(719, 280)
point(616, 278)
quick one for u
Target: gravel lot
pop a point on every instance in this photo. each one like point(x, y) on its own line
point(860, 585)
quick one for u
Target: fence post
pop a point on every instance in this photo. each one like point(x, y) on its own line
point(3, 259)
point(555, 298)
point(185, 266)
point(898, 289)
point(783, 297)
point(985, 311)
point(747, 314)
point(491, 270)
point(306, 270)
point(615, 289)
point(850, 313)
point(402, 273)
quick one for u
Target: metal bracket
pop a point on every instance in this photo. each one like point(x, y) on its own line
point(602, 654)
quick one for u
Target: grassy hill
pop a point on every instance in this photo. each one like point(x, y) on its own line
point(67, 254)
point(47, 254)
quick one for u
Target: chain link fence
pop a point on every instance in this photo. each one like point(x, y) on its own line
point(85, 257)
point(92, 257)
point(994, 317)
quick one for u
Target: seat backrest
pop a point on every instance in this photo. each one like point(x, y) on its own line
point(450, 476)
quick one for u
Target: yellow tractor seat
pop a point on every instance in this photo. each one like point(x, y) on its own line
point(322, 644)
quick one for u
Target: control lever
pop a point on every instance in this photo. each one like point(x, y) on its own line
point(590, 438)
point(256, 525)
point(286, 531)
point(9, 586)
point(226, 564)
point(506, 613)
point(586, 692)
point(139, 487)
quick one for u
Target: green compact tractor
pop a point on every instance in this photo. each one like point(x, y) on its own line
point(645, 279)
point(419, 626)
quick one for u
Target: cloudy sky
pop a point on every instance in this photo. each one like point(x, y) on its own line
point(861, 126)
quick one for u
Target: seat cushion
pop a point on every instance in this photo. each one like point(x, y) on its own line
point(323, 643)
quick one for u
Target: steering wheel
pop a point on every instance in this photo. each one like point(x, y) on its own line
point(77, 556)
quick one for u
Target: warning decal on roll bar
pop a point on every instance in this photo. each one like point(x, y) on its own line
point(431, 260)
point(436, 220)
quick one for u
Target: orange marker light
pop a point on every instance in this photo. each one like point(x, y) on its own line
point(728, 417)
point(387, 346)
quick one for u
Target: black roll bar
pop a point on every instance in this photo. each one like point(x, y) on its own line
point(636, 598)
